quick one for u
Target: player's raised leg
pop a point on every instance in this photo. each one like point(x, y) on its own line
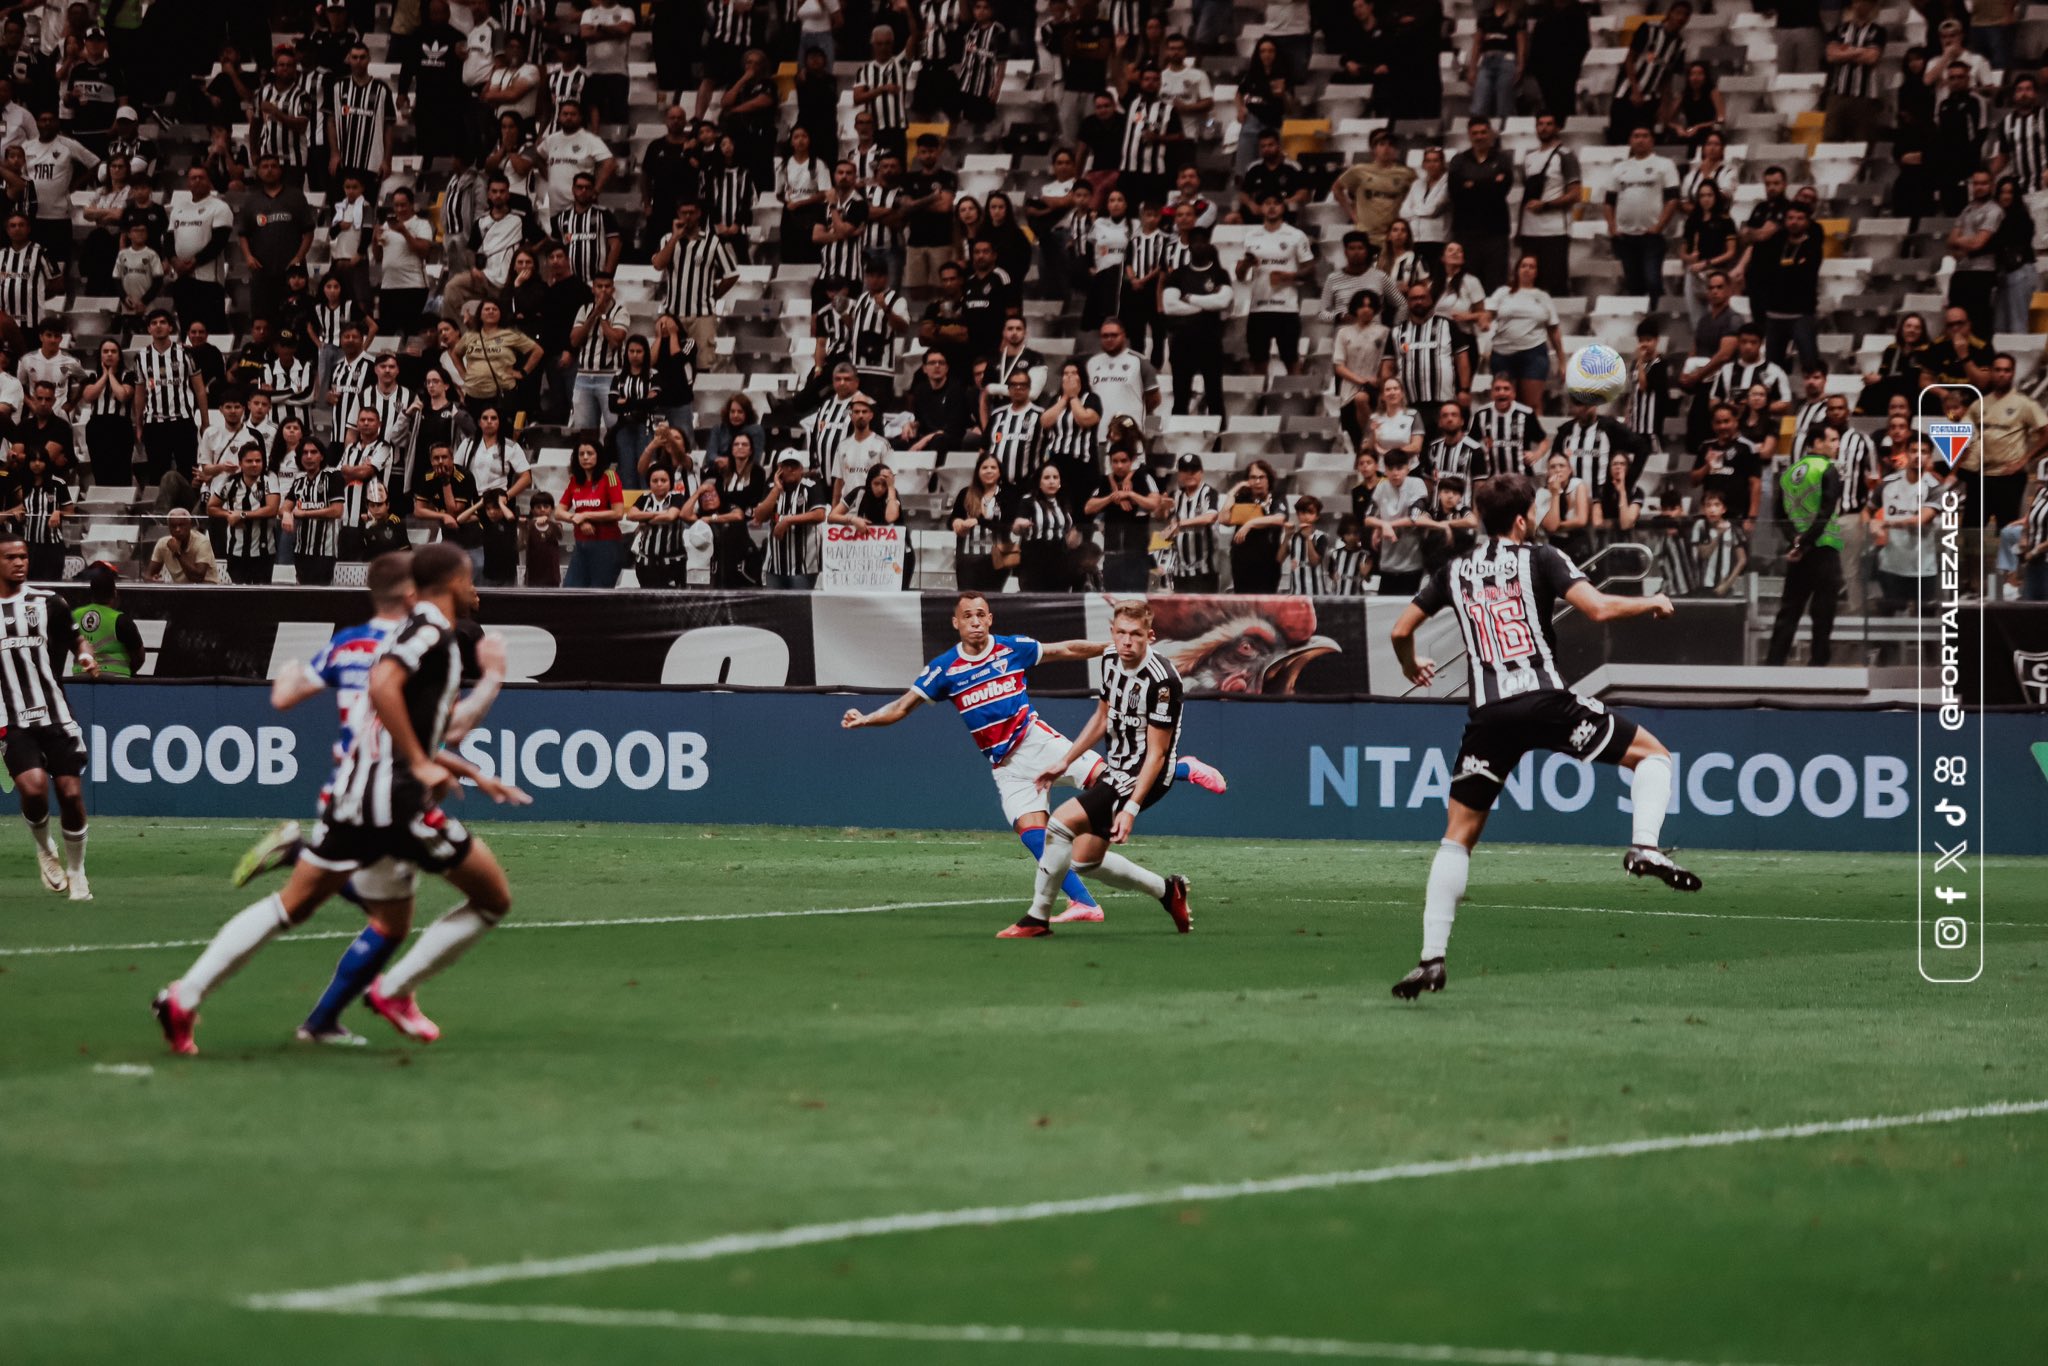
point(487, 899)
point(387, 888)
point(236, 942)
point(1650, 798)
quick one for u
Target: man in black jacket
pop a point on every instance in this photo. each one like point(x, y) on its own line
point(942, 409)
point(1197, 296)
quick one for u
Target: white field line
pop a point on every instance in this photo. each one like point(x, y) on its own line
point(1622, 910)
point(996, 1334)
point(806, 1235)
point(47, 949)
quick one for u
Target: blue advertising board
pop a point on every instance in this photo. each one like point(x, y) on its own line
point(1746, 778)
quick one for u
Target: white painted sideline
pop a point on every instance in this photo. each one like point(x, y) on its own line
point(997, 1334)
point(37, 951)
point(805, 1235)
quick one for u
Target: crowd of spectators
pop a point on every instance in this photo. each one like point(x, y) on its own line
point(439, 247)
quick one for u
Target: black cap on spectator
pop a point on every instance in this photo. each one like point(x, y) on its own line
point(95, 34)
point(1189, 463)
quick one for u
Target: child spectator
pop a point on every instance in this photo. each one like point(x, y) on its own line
point(543, 544)
point(1718, 548)
point(139, 270)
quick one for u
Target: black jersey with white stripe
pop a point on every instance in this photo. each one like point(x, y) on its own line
point(36, 636)
point(1426, 357)
point(660, 542)
point(1504, 594)
point(315, 493)
point(1139, 699)
point(1508, 436)
point(166, 375)
point(247, 539)
point(1015, 436)
point(1194, 550)
point(372, 787)
point(40, 504)
point(689, 287)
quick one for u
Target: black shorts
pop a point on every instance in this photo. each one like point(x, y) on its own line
point(432, 840)
point(1110, 790)
point(56, 750)
point(1500, 733)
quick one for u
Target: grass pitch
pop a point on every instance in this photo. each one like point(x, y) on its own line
point(629, 1085)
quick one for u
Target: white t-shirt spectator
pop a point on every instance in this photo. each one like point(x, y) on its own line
point(1638, 189)
point(402, 267)
point(1402, 554)
point(1283, 248)
point(193, 223)
point(1522, 319)
point(59, 370)
point(606, 55)
point(568, 156)
point(52, 166)
point(1908, 550)
point(494, 466)
point(1121, 382)
point(855, 458)
point(1189, 83)
point(1427, 208)
point(1557, 168)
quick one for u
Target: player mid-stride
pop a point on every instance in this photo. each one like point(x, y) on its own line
point(44, 745)
point(1139, 711)
point(1504, 592)
point(983, 677)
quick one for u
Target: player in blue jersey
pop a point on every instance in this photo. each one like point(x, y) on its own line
point(983, 677)
point(384, 889)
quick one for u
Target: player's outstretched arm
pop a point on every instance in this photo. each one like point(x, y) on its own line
point(501, 793)
point(294, 685)
point(471, 710)
point(1091, 734)
point(1072, 649)
point(1417, 669)
point(855, 718)
point(1599, 606)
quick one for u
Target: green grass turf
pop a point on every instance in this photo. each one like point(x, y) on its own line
point(612, 1087)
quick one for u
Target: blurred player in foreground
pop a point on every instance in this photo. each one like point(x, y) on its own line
point(1140, 712)
point(983, 677)
point(45, 748)
point(381, 819)
point(1504, 592)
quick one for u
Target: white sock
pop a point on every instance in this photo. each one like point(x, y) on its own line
point(1052, 868)
point(1447, 873)
point(39, 831)
point(233, 945)
point(439, 945)
point(1651, 798)
point(74, 851)
point(1118, 871)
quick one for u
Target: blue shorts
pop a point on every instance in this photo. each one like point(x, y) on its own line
point(1520, 365)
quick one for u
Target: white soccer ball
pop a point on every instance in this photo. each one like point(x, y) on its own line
point(1596, 374)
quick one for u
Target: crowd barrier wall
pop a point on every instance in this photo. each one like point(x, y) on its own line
point(1747, 778)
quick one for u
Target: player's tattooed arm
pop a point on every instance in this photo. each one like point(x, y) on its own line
point(855, 718)
point(471, 710)
point(1061, 650)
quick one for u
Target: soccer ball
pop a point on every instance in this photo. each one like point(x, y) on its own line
point(1595, 374)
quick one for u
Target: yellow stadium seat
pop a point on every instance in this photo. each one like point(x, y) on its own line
point(1836, 230)
point(1806, 129)
point(938, 129)
point(1629, 24)
point(1299, 137)
point(2037, 314)
point(785, 80)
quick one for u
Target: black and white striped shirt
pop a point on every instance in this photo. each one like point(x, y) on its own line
point(328, 320)
point(372, 788)
point(1304, 579)
point(937, 20)
point(1856, 462)
point(890, 107)
point(1150, 251)
point(36, 638)
point(725, 21)
point(842, 258)
point(1194, 549)
point(1465, 458)
point(564, 83)
point(1426, 356)
point(290, 384)
point(389, 407)
point(597, 355)
point(523, 18)
point(1732, 382)
point(349, 381)
point(828, 429)
point(2037, 518)
point(104, 404)
point(1658, 51)
point(1589, 448)
point(729, 198)
point(361, 113)
point(1145, 114)
point(1503, 594)
point(1807, 425)
point(799, 549)
point(587, 234)
point(1139, 699)
point(660, 542)
point(40, 504)
point(278, 139)
point(1346, 565)
point(1069, 442)
point(1014, 438)
point(355, 494)
point(2022, 138)
point(1050, 520)
point(166, 377)
point(24, 281)
point(980, 68)
point(1509, 436)
point(1853, 78)
point(629, 392)
point(1649, 401)
point(249, 539)
point(315, 493)
point(690, 285)
point(1714, 551)
point(875, 339)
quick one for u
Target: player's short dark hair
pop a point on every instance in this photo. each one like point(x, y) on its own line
point(1750, 330)
point(1648, 328)
point(1361, 238)
point(388, 577)
point(1395, 459)
point(436, 564)
point(1502, 499)
point(967, 595)
point(11, 532)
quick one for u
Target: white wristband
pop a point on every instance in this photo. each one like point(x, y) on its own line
point(1130, 808)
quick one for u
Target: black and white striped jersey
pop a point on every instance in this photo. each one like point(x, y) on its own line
point(350, 380)
point(689, 287)
point(36, 638)
point(1426, 358)
point(565, 83)
point(597, 355)
point(729, 22)
point(1145, 114)
point(1304, 579)
point(1807, 425)
point(2021, 137)
point(1508, 436)
point(1194, 550)
point(166, 377)
point(875, 339)
point(1657, 52)
point(1504, 593)
point(40, 504)
point(587, 233)
point(290, 385)
point(24, 281)
point(729, 198)
point(800, 548)
point(936, 21)
point(890, 107)
point(842, 258)
point(355, 494)
point(329, 319)
point(315, 493)
point(1649, 401)
point(104, 404)
point(373, 787)
point(980, 68)
point(827, 429)
point(278, 139)
point(1592, 445)
point(660, 542)
point(1465, 458)
point(359, 116)
point(880, 236)
point(1150, 251)
point(2037, 518)
point(388, 405)
point(1069, 443)
point(1856, 461)
point(1714, 551)
point(245, 540)
point(1346, 564)
point(1733, 381)
point(1854, 78)
point(1139, 699)
point(1015, 436)
point(1049, 517)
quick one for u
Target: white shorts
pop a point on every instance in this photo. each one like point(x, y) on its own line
point(388, 879)
point(1016, 776)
